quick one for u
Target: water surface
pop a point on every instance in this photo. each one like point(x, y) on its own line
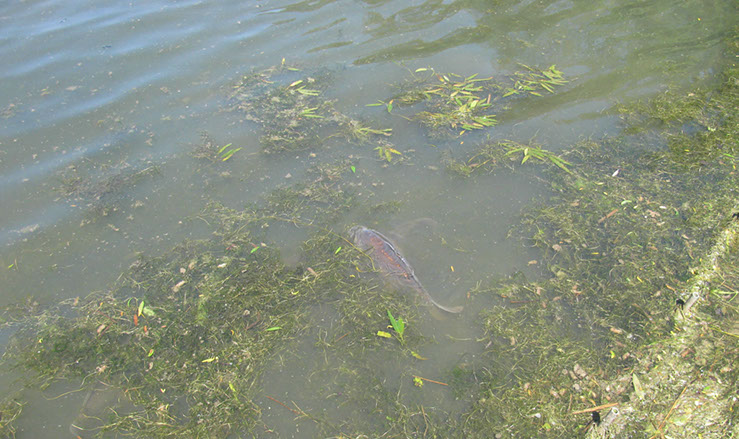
point(91, 90)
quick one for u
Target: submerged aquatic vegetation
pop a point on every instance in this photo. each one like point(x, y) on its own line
point(538, 153)
point(188, 337)
point(102, 194)
point(492, 155)
point(209, 150)
point(355, 131)
point(628, 234)
point(183, 339)
point(387, 153)
point(457, 104)
point(11, 409)
point(533, 81)
point(295, 115)
point(289, 108)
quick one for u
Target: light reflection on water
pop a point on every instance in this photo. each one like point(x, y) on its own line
point(93, 87)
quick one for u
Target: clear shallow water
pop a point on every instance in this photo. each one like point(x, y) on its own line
point(94, 88)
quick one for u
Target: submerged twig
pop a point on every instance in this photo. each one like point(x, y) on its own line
point(280, 403)
point(430, 380)
point(595, 409)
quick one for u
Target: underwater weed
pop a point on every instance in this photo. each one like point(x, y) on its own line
point(458, 104)
point(103, 194)
point(492, 155)
point(533, 81)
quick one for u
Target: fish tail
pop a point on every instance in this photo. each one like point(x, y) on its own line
point(449, 309)
point(427, 296)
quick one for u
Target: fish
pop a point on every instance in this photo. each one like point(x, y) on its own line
point(388, 261)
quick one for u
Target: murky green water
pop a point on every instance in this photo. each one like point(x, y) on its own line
point(91, 91)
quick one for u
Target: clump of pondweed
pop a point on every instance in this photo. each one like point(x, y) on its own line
point(186, 335)
point(9, 110)
point(619, 233)
point(357, 132)
point(289, 107)
point(698, 126)
point(540, 358)
point(103, 194)
point(457, 104)
point(321, 200)
point(213, 152)
point(257, 82)
point(533, 81)
point(293, 113)
point(203, 338)
point(490, 156)
point(11, 409)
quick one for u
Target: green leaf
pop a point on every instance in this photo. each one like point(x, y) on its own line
point(230, 153)
point(354, 170)
point(384, 334)
point(337, 250)
point(223, 148)
point(274, 328)
point(398, 324)
point(308, 92)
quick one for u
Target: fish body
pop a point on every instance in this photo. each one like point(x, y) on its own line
point(388, 261)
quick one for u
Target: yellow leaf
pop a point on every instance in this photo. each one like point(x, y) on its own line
point(416, 355)
point(209, 360)
point(384, 334)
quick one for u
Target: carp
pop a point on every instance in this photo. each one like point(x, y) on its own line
point(388, 261)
